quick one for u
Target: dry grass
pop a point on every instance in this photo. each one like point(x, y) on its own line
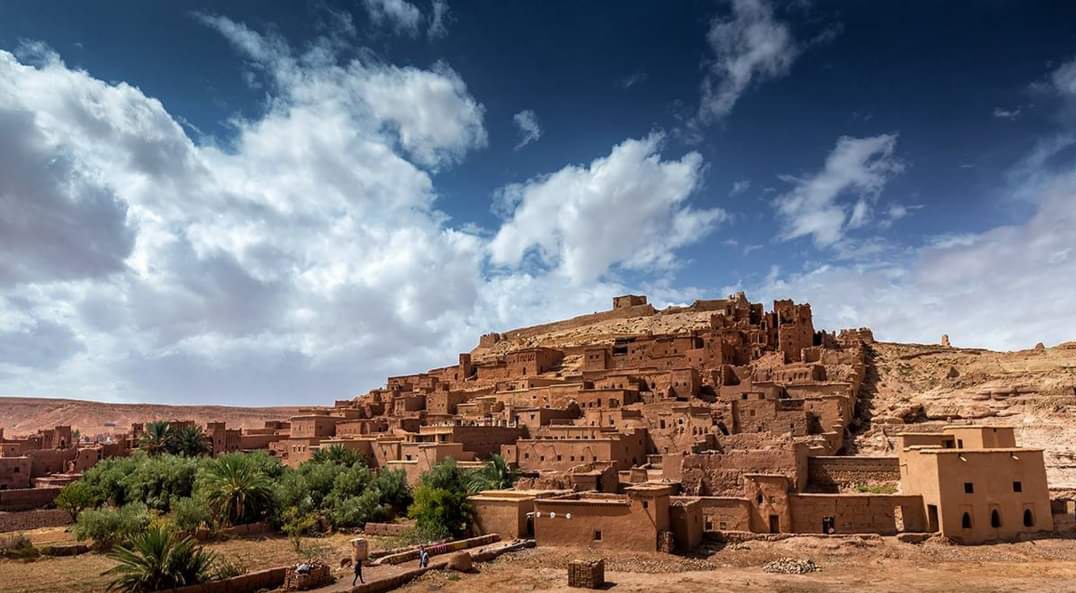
point(83, 573)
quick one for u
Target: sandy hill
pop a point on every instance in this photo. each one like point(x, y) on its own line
point(24, 415)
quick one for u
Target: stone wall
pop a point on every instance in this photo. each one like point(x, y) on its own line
point(833, 474)
point(25, 520)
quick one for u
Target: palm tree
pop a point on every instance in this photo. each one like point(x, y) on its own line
point(236, 489)
point(159, 559)
point(496, 474)
point(156, 438)
point(189, 440)
point(339, 455)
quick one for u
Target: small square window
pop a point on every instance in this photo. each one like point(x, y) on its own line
point(1017, 487)
point(597, 535)
point(969, 488)
point(646, 504)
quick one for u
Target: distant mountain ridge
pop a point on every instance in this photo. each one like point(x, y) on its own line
point(26, 415)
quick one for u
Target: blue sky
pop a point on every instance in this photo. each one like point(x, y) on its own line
point(271, 202)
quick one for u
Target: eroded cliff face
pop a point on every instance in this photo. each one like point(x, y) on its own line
point(915, 388)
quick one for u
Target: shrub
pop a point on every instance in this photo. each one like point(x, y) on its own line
point(392, 484)
point(157, 481)
point(18, 547)
point(190, 514)
point(159, 558)
point(440, 506)
point(76, 497)
point(107, 478)
point(356, 511)
point(107, 527)
point(295, 524)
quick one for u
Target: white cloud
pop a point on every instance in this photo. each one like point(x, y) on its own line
point(633, 79)
point(301, 260)
point(400, 14)
point(857, 166)
point(628, 209)
point(1000, 113)
point(529, 130)
point(438, 20)
point(750, 47)
point(739, 187)
point(1064, 78)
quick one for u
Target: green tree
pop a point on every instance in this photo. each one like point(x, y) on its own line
point(107, 478)
point(190, 441)
point(157, 559)
point(156, 438)
point(496, 474)
point(236, 489)
point(76, 497)
point(440, 506)
point(339, 455)
point(159, 480)
point(392, 486)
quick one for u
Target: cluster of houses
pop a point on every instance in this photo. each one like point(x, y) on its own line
point(649, 442)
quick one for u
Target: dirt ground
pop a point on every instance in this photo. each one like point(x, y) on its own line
point(868, 564)
point(846, 565)
point(83, 573)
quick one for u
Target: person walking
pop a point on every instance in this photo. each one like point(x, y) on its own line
point(423, 557)
point(358, 573)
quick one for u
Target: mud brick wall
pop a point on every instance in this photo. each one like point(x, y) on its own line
point(884, 514)
point(589, 574)
point(832, 474)
point(25, 520)
point(248, 583)
point(387, 529)
point(24, 499)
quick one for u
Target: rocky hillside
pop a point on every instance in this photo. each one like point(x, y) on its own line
point(26, 415)
point(915, 387)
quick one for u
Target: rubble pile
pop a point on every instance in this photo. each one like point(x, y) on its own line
point(790, 566)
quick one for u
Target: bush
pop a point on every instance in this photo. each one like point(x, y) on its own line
point(441, 508)
point(190, 514)
point(157, 481)
point(18, 547)
point(76, 497)
point(107, 527)
point(356, 511)
point(392, 484)
point(157, 559)
point(295, 524)
point(106, 479)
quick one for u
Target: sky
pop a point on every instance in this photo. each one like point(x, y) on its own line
point(268, 202)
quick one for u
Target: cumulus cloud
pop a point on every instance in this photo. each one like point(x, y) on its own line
point(301, 259)
point(628, 209)
point(529, 130)
point(750, 46)
point(857, 168)
point(401, 15)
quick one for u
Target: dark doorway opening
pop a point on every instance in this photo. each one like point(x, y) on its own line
point(775, 524)
point(932, 518)
point(829, 525)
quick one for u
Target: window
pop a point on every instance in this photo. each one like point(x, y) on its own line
point(965, 521)
point(759, 499)
point(995, 519)
point(1029, 518)
point(960, 443)
point(16, 469)
point(969, 488)
point(597, 535)
point(1017, 487)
